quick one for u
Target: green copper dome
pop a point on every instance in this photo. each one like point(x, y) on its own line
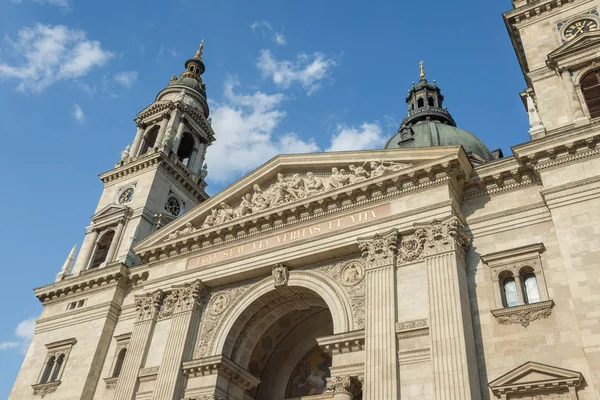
point(435, 133)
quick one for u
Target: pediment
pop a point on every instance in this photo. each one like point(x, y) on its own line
point(535, 376)
point(110, 212)
point(298, 182)
point(586, 41)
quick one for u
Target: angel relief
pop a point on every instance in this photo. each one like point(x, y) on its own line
point(287, 189)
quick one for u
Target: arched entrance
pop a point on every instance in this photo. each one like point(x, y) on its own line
point(275, 340)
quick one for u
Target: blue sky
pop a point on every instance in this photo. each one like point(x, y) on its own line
point(281, 76)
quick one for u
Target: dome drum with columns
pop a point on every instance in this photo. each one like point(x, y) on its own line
point(424, 270)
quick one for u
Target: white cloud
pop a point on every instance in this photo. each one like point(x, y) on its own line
point(63, 4)
point(78, 113)
point(170, 50)
point(309, 70)
point(366, 136)
point(245, 125)
point(24, 333)
point(51, 53)
point(279, 38)
point(265, 29)
point(126, 78)
point(8, 345)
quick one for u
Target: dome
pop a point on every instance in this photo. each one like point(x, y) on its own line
point(189, 82)
point(435, 133)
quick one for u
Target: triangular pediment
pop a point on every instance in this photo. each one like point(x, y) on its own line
point(110, 212)
point(532, 374)
point(588, 40)
point(291, 182)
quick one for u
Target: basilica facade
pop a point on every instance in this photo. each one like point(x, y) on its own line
point(434, 268)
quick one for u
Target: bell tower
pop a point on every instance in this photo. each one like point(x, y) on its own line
point(556, 42)
point(159, 177)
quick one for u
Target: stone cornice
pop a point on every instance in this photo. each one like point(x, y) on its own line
point(220, 365)
point(498, 177)
point(155, 159)
point(346, 342)
point(184, 237)
point(510, 255)
point(87, 280)
point(567, 145)
point(410, 329)
point(534, 9)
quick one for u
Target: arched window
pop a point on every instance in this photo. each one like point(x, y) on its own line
point(102, 249)
point(430, 101)
point(532, 294)
point(48, 369)
point(590, 86)
point(59, 363)
point(186, 146)
point(149, 140)
point(420, 103)
point(119, 363)
point(510, 292)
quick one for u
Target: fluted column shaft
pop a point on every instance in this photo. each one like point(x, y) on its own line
point(572, 94)
point(178, 135)
point(453, 354)
point(381, 364)
point(179, 348)
point(147, 307)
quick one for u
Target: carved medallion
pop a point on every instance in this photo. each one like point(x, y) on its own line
point(352, 274)
point(218, 304)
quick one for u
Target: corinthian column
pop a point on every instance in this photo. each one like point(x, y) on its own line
point(452, 343)
point(184, 305)
point(381, 365)
point(343, 387)
point(147, 307)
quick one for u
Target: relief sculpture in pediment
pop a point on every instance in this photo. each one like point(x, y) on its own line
point(287, 189)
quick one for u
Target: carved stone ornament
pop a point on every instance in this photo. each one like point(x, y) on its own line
point(281, 275)
point(43, 389)
point(352, 274)
point(218, 304)
point(182, 298)
point(380, 250)
point(111, 383)
point(288, 189)
point(544, 396)
point(524, 315)
point(344, 384)
point(148, 305)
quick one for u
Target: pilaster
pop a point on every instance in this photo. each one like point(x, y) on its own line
point(381, 365)
point(451, 330)
point(184, 304)
point(343, 387)
point(147, 307)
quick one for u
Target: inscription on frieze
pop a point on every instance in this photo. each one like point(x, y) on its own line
point(328, 226)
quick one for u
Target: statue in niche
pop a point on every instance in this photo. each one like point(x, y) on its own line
point(280, 275)
point(313, 185)
point(125, 153)
point(204, 172)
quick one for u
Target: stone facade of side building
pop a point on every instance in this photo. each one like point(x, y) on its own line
point(431, 269)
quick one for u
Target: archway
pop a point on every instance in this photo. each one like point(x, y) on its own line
point(275, 340)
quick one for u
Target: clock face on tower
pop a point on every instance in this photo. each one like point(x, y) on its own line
point(126, 196)
point(578, 27)
point(173, 206)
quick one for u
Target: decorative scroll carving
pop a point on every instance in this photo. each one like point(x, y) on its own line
point(344, 384)
point(544, 396)
point(148, 305)
point(281, 274)
point(148, 371)
point(351, 275)
point(410, 325)
point(437, 237)
point(181, 298)
point(287, 189)
point(219, 302)
point(524, 315)
point(380, 250)
point(44, 389)
point(111, 383)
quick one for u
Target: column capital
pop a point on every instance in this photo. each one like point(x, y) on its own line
point(379, 250)
point(181, 299)
point(436, 237)
point(147, 305)
point(344, 384)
